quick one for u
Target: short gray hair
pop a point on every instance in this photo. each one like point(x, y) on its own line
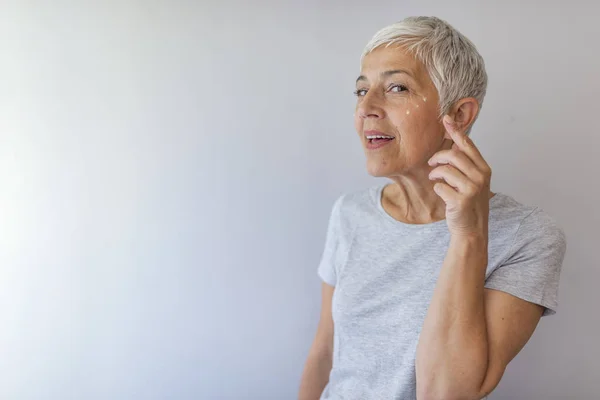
point(452, 61)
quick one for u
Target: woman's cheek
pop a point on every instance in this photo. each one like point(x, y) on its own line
point(411, 123)
point(415, 111)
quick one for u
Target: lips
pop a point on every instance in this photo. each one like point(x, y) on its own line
point(377, 139)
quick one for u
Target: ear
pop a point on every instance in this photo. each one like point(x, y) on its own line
point(464, 113)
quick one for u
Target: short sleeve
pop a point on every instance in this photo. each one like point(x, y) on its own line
point(328, 266)
point(532, 268)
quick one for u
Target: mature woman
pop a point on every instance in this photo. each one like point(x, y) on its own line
point(432, 283)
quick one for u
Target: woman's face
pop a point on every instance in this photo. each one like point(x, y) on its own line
point(396, 99)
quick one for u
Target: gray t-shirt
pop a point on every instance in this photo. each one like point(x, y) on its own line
point(384, 272)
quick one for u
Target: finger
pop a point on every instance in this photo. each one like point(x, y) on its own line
point(453, 177)
point(446, 192)
point(464, 143)
point(458, 159)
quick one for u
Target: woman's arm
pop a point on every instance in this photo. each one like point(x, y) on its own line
point(470, 333)
point(452, 354)
point(318, 365)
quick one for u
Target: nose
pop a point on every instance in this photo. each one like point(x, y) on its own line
point(370, 106)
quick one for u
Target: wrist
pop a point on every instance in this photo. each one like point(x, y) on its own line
point(468, 242)
point(470, 237)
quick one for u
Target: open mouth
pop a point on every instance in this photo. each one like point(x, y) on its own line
point(377, 141)
point(374, 139)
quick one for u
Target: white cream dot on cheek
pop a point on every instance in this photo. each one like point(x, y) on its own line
point(407, 112)
point(424, 99)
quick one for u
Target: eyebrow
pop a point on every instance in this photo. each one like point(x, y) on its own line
point(386, 74)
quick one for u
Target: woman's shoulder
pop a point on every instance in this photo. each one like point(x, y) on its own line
point(355, 208)
point(526, 249)
point(359, 201)
point(510, 215)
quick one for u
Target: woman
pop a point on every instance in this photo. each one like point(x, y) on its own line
point(432, 283)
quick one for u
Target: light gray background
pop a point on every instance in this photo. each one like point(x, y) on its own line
point(167, 169)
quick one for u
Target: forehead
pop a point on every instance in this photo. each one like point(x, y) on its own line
point(392, 58)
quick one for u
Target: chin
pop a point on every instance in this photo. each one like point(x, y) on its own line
point(379, 170)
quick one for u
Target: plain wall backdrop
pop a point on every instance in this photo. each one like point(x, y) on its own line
point(167, 169)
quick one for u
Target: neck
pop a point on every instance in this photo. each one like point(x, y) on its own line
point(411, 199)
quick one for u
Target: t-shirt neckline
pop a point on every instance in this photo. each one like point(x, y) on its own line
point(432, 225)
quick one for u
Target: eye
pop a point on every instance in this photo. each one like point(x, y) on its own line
point(397, 88)
point(360, 92)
